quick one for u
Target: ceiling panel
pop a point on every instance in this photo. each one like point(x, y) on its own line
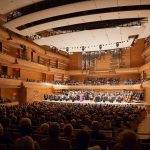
point(129, 2)
point(77, 20)
point(10, 5)
point(93, 38)
point(87, 5)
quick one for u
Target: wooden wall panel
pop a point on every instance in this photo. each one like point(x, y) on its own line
point(22, 95)
point(100, 87)
point(122, 77)
point(136, 53)
point(10, 71)
point(49, 77)
point(8, 93)
point(79, 78)
point(37, 94)
point(131, 57)
point(129, 76)
point(147, 95)
point(10, 48)
point(58, 77)
point(107, 62)
point(104, 62)
point(29, 54)
point(26, 74)
point(75, 61)
point(66, 77)
point(35, 57)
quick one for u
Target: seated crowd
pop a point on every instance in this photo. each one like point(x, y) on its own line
point(4, 100)
point(97, 96)
point(93, 81)
point(63, 126)
point(132, 81)
point(72, 82)
point(102, 81)
point(33, 80)
point(99, 81)
point(7, 76)
point(68, 82)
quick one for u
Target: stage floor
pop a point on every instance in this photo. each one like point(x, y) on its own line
point(98, 103)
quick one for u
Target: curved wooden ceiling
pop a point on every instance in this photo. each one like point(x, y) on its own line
point(77, 23)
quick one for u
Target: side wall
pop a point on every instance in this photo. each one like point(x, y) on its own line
point(37, 94)
point(10, 93)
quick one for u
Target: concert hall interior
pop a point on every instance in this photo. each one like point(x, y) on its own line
point(74, 75)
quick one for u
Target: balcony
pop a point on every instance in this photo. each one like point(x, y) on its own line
point(10, 83)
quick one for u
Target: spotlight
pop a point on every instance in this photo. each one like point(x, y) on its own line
point(117, 44)
point(83, 48)
point(100, 47)
point(67, 49)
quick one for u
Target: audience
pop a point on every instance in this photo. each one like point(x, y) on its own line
point(90, 81)
point(4, 139)
point(72, 82)
point(127, 141)
point(4, 100)
point(57, 125)
point(8, 76)
point(132, 81)
point(53, 142)
point(82, 140)
point(44, 129)
point(68, 131)
point(26, 143)
point(95, 134)
point(102, 81)
point(25, 127)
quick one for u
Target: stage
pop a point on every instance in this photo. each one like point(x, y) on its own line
point(97, 103)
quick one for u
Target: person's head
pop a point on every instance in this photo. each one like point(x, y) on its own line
point(1, 129)
point(95, 125)
point(83, 138)
point(25, 143)
point(73, 122)
point(96, 147)
point(5, 122)
point(54, 130)
point(68, 129)
point(44, 128)
point(25, 126)
point(25, 122)
point(128, 139)
point(108, 124)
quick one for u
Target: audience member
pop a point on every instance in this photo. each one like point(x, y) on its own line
point(95, 134)
point(3, 138)
point(26, 143)
point(68, 131)
point(82, 140)
point(53, 142)
point(25, 126)
point(128, 141)
point(44, 128)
